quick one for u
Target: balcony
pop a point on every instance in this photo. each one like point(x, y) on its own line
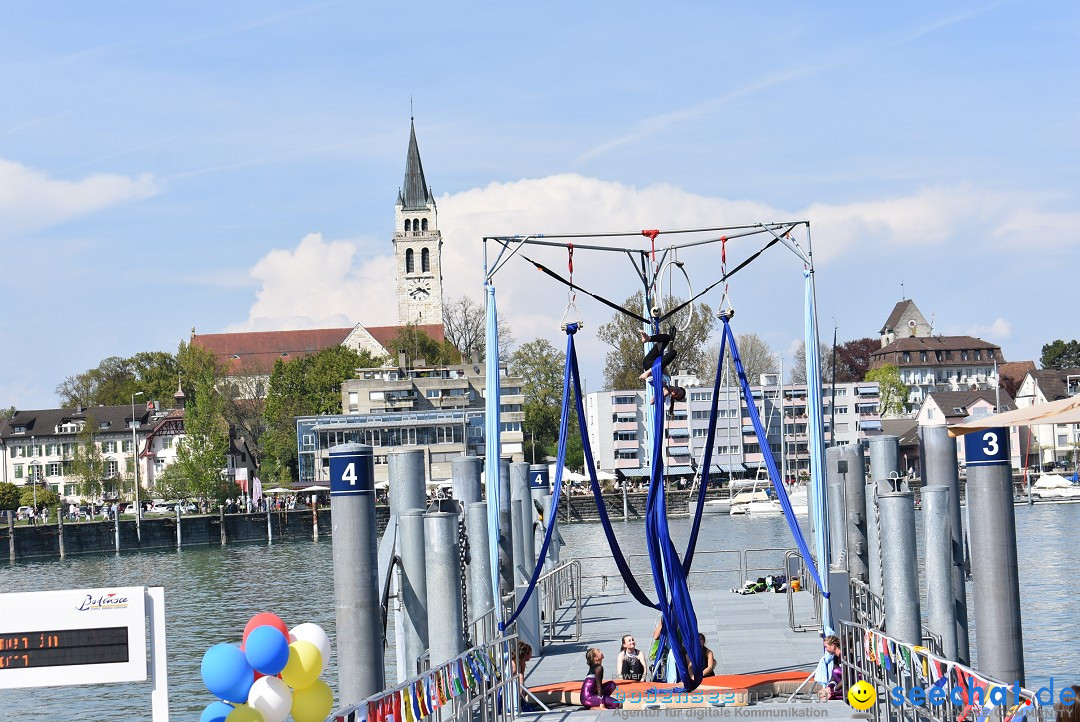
point(624, 408)
point(624, 426)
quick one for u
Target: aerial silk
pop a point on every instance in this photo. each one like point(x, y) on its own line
point(820, 495)
point(492, 447)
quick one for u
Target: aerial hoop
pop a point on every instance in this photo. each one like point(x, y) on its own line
point(660, 279)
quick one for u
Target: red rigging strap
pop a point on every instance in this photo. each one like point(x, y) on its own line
point(570, 258)
point(651, 234)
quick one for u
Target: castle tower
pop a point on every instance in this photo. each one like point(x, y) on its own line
point(417, 245)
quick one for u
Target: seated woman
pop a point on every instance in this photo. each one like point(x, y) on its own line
point(834, 688)
point(517, 667)
point(708, 656)
point(595, 692)
point(631, 662)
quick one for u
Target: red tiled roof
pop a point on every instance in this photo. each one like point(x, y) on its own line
point(254, 352)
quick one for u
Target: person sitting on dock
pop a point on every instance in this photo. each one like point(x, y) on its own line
point(517, 667)
point(834, 688)
point(708, 656)
point(595, 692)
point(631, 662)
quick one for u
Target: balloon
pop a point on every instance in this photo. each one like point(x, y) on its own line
point(304, 666)
point(243, 713)
point(267, 649)
point(264, 618)
point(216, 712)
point(272, 698)
point(312, 633)
point(314, 703)
point(226, 673)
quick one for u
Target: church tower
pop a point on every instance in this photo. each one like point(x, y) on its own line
point(417, 245)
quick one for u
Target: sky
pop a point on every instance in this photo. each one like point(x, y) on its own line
point(234, 166)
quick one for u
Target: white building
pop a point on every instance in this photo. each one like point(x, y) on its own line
point(1051, 444)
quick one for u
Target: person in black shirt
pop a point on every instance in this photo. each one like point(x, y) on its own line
point(631, 662)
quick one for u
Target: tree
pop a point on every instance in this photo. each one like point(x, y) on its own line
point(622, 364)
point(892, 391)
point(200, 455)
point(465, 326)
point(9, 496)
point(45, 496)
point(798, 371)
point(115, 379)
point(418, 345)
point(88, 464)
point(853, 358)
point(756, 356)
point(8, 413)
point(541, 366)
point(1061, 355)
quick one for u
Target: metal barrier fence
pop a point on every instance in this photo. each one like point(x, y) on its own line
point(474, 686)
point(558, 587)
point(915, 683)
point(723, 567)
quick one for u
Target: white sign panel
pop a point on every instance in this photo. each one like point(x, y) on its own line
point(74, 636)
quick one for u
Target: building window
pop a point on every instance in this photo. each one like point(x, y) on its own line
point(699, 414)
point(510, 426)
point(433, 393)
point(623, 418)
point(978, 355)
point(701, 395)
point(423, 224)
point(125, 447)
point(425, 261)
point(907, 357)
point(408, 260)
point(841, 391)
point(108, 447)
point(54, 469)
point(111, 468)
point(625, 436)
point(626, 454)
point(622, 400)
point(18, 471)
point(408, 225)
point(700, 433)
point(167, 442)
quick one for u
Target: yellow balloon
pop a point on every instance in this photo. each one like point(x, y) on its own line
point(313, 703)
point(304, 666)
point(243, 713)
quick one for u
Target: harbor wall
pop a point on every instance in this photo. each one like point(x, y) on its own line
point(97, 537)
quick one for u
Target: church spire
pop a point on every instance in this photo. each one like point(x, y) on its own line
point(416, 195)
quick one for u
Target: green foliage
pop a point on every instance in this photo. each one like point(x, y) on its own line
point(115, 379)
point(88, 464)
point(200, 456)
point(893, 391)
point(45, 496)
point(418, 345)
point(9, 496)
point(622, 364)
point(541, 366)
point(173, 484)
point(1061, 355)
point(303, 387)
point(8, 413)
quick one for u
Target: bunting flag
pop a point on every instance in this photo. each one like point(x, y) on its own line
point(412, 710)
point(469, 680)
point(396, 706)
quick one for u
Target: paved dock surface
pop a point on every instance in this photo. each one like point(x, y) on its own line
point(748, 634)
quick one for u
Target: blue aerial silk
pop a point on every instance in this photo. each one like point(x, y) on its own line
point(818, 483)
point(492, 448)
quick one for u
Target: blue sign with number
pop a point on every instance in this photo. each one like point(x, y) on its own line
point(987, 447)
point(352, 470)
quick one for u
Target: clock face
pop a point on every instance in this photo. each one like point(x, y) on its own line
point(419, 292)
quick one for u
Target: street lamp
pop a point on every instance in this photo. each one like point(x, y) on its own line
point(33, 477)
point(135, 463)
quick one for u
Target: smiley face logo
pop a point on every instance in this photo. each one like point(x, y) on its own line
point(862, 695)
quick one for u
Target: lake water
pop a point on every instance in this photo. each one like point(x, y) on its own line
point(211, 593)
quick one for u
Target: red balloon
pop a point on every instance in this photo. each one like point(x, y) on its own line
point(267, 618)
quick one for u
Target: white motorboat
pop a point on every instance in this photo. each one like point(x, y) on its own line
point(1054, 487)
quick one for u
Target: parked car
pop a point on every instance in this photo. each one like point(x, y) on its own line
point(23, 512)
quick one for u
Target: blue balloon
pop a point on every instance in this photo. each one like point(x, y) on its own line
point(226, 673)
point(267, 650)
point(216, 712)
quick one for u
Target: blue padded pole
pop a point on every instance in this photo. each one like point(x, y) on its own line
point(492, 448)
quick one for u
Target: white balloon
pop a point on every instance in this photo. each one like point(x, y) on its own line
point(313, 633)
point(272, 698)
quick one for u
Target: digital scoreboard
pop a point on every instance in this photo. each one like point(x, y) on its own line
point(77, 636)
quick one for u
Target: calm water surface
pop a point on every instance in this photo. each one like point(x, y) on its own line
point(211, 593)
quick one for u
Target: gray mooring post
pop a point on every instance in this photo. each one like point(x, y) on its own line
point(506, 531)
point(518, 535)
point(937, 533)
point(179, 542)
point(414, 595)
point(1000, 639)
point(11, 535)
point(520, 485)
point(873, 538)
point(446, 639)
point(884, 457)
point(480, 599)
point(60, 529)
point(315, 517)
point(356, 586)
point(939, 465)
point(853, 473)
point(221, 523)
point(269, 526)
point(837, 508)
point(900, 566)
point(554, 549)
point(465, 482)
point(116, 528)
point(407, 490)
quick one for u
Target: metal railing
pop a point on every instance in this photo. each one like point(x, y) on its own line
point(490, 698)
point(558, 587)
point(722, 567)
point(916, 683)
point(809, 586)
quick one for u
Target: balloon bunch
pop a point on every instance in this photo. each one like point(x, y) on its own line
point(272, 674)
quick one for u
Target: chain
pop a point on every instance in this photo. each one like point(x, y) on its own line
point(463, 561)
point(880, 566)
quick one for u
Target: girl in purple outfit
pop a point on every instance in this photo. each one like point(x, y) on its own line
point(595, 692)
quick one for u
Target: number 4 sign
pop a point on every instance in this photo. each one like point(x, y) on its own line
point(352, 470)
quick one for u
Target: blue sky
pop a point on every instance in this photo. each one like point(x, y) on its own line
point(234, 165)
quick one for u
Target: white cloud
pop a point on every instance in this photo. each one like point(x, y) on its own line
point(999, 330)
point(317, 286)
point(322, 283)
point(30, 200)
